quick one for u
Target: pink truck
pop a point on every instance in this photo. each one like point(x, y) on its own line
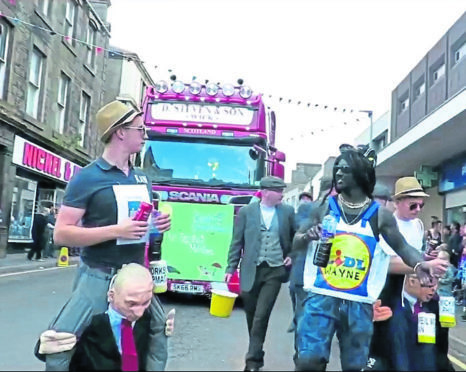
point(208, 148)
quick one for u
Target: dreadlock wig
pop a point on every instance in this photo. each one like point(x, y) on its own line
point(361, 168)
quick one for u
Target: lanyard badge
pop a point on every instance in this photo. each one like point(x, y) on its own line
point(426, 328)
point(447, 311)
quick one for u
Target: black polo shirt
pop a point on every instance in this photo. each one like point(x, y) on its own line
point(92, 189)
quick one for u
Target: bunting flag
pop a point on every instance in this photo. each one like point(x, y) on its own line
point(97, 48)
point(281, 100)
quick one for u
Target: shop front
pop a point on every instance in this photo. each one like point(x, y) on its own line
point(453, 186)
point(40, 179)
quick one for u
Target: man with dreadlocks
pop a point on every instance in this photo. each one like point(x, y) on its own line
point(341, 295)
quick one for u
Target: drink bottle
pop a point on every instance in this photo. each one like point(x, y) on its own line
point(324, 245)
point(158, 270)
point(143, 213)
point(158, 267)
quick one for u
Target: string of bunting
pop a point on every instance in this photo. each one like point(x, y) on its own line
point(100, 49)
point(310, 105)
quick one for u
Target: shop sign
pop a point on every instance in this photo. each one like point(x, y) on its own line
point(35, 158)
point(453, 175)
point(426, 176)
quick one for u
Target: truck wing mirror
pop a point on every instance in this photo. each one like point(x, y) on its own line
point(280, 156)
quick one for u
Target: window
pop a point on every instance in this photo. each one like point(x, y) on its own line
point(34, 85)
point(166, 161)
point(419, 89)
point(22, 210)
point(69, 21)
point(404, 104)
point(44, 6)
point(90, 40)
point(438, 73)
point(84, 116)
point(460, 52)
point(63, 91)
point(4, 35)
point(381, 141)
point(143, 91)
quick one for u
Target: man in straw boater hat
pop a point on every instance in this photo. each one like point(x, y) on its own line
point(342, 294)
point(95, 216)
point(409, 198)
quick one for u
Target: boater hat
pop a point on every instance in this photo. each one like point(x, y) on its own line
point(408, 187)
point(112, 116)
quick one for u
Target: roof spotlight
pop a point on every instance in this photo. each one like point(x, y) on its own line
point(228, 90)
point(211, 89)
point(245, 92)
point(178, 87)
point(195, 88)
point(161, 86)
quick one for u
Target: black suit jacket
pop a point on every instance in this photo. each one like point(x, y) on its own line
point(97, 350)
point(406, 353)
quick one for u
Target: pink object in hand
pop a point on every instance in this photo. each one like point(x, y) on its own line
point(143, 212)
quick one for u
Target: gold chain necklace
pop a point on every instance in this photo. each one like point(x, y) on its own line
point(346, 218)
point(350, 205)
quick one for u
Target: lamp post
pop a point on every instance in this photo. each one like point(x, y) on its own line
point(369, 113)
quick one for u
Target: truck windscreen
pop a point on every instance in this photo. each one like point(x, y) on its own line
point(202, 163)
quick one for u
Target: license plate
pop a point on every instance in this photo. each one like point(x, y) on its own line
point(187, 288)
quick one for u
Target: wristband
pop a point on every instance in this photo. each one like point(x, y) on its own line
point(416, 266)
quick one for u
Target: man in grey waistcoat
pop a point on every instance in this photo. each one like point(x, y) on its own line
point(263, 232)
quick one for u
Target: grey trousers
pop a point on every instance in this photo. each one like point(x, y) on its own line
point(89, 297)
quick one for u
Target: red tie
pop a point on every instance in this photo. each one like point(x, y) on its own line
point(129, 355)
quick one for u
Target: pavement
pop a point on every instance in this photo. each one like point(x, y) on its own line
point(18, 262)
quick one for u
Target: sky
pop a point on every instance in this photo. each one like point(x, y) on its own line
point(343, 54)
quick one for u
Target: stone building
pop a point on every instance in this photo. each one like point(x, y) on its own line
point(53, 57)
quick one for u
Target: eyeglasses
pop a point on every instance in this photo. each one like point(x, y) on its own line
point(344, 169)
point(142, 130)
point(413, 206)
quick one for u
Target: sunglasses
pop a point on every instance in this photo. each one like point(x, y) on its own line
point(343, 169)
point(413, 206)
point(142, 130)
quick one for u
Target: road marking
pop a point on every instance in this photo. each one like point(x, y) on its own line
point(36, 271)
point(458, 340)
point(457, 362)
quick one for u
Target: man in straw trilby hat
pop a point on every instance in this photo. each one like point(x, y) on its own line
point(95, 216)
point(342, 294)
point(409, 198)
